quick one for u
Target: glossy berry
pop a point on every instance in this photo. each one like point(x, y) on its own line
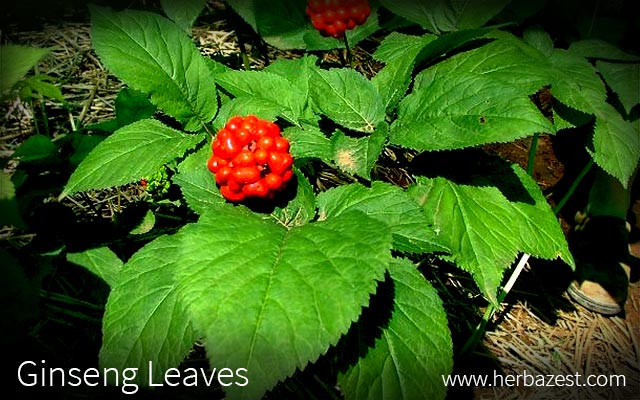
point(250, 159)
point(334, 17)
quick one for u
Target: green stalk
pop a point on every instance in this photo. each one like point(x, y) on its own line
point(349, 54)
point(532, 153)
point(573, 187)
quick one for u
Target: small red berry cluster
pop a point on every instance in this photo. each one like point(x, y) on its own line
point(333, 17)
point(250, 159)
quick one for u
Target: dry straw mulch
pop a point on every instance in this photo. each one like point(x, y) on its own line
point(577, 342)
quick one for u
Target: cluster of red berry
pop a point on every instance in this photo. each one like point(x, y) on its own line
point(333, 17)
point(250, 159)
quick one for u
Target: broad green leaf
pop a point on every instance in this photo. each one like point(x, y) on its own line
point(15, 62)
point(136, 150)
point(270, 299)
point(36, 148)
point(450, 108)
point(298, 72)
point(485, 231)
point(266, 86)
point(101, 261)
point(624, 80)
point(281, 23)
point(414, 350)
point(357, 156)
point(539, 39)
point(596, 48)
point(398, 51)
point(302, 208)
point(197, 183)
point(183, 13)
point(575, 82)
point(309, 141)
point(144, 324)
point(247, 105)
point(388, 204)
point(151, 54)
point(348, 98)
point(446, 15)
point(9, 213)
point(616, 144)
point(131, 106)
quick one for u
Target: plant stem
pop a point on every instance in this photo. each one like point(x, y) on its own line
point(573, 187)
point(349, 54)
point(473, 341)
point(532, 153)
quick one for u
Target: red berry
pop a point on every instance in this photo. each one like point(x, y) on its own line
point(250, 156)
point(334, 17)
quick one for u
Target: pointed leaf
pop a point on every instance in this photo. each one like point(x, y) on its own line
point(388, 204)
point(446, 15)
point(616, 144)
point(130, 153)
point(298, 289)
point(302, 208)
point(309, 141)
point(183, 13)
point(454, 109)
point(485, 231)
point(144, 324)
point(624, 80)
point(15, 62)
point(100, 261)
point(414, 351)
point(266, 86)
point(596, 48)
point(398, 51)
point(197, 183)
point(357, 156)
point(348, 98)
point(152, 54)
point(36, 148)
point(576, 82)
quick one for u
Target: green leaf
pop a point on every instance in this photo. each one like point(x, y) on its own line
point(101, 261)
point(616, 144)
point(413, 352)
point(268, 87)
point(41, 85)
point(398, 51)
point(357, 156)
point(144, 323)
point(152, 54)
point(624, 80)
point(183, 13)
point(281, 23)
point(302, 208)
point(131, 106)
point(450, 108)
point(136, 150)
point(15, 62)
point(446, 15)
point(485, 231)
point(36, 148)
point(348, 98)
point(9, 213)
point(575, 82)
point(247, 105)
point(298, 290)
point(539, 39)
point(600, 49)
point(388, 204)
point(309, 141)
point(82, 146)
point(197, 183)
